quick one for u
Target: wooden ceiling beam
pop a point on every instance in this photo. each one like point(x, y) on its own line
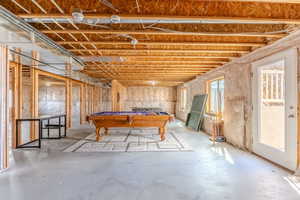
point(158, 66)
point(238, 44)
point(153, 70)
point(179, 82)
point(177, 56)
point(168, 62)
point(142, 74)
point(161, 50)
point(255, 20)
point(151, 75)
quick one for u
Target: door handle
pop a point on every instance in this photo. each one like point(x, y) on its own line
point(291, 116)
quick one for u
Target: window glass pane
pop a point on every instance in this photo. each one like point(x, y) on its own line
point(213, 96)
point(221, 94)
point(216, 99)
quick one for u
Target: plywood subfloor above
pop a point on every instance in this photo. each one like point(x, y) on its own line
point(194, 38)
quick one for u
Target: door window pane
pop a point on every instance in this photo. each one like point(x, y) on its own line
point(272, 106)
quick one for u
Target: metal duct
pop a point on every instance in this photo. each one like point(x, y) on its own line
point(102, 59)
point(149, 20)
point(29, 29)
point(16, 33)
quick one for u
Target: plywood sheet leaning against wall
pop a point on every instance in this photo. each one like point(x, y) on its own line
point(151, 96)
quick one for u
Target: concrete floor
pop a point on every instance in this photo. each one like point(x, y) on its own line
point(208, 173)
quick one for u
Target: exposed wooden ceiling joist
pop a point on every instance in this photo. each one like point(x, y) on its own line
point(240, 26)
point(160, 50)
point(161, 65)
point(163, 62)
point(179, 56)
point(246, 44)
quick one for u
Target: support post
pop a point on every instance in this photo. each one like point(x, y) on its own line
point(82, 103)
point(17, 91)
point(35, 95)
point(68, 101)
point(4, 84)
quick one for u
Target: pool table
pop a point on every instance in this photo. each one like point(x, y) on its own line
point(129, 119)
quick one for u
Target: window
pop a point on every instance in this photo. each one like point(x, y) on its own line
point(183, 99)
point(215, 104)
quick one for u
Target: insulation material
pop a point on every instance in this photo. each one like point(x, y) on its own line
point(150, 96)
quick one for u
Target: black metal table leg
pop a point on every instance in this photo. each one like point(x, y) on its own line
point(65, 127)
point(59, 124)
point(40, 132)
point(48, 128)
point(17, 133)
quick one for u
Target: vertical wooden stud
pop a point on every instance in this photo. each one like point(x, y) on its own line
point(4, 87)
point(17, 96)
point(82, 103)
point(35, 95)
point(68, 103)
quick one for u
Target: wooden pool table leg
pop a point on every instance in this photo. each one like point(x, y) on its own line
point(98, 136)
point(162, 133)
point(106, 131)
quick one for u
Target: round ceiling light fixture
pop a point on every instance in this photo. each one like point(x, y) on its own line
point(115, 19)
point(152, 82)
point(134, 41)
point(77, 15)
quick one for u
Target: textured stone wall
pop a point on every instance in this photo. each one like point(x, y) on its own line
point(142, 96)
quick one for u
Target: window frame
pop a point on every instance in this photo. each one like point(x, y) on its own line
point(208, 90)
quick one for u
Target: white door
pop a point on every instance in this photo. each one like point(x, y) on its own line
point(275, 108)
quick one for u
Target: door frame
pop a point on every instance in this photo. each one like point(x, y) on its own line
point(290, 56)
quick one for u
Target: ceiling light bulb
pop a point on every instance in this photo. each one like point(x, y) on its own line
point(152, 82)
point(134, 41)
point(77, 15)
point(115, 19)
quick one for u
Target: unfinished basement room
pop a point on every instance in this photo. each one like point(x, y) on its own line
point(149, 99)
